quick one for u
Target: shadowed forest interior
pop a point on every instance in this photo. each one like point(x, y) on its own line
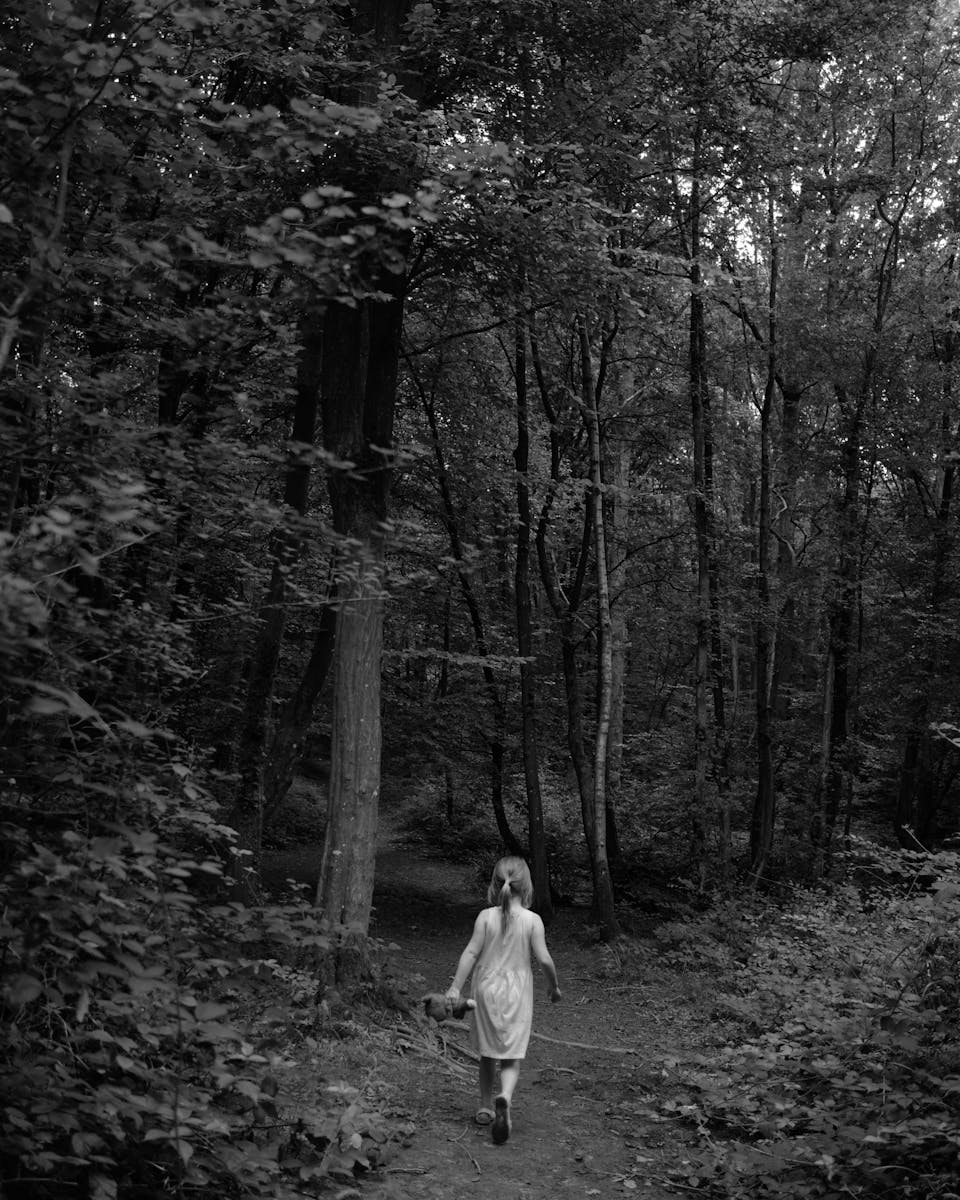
point(430, 431)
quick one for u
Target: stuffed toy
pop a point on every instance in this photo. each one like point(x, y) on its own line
point(442, 1008)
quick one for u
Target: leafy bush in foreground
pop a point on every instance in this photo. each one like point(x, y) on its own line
point(841, 1075)
point(123, 1069)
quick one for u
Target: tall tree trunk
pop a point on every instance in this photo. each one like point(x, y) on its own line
point(443, 688)
point(495, 736)
point(602, 884)
point(764, 807)
point(617, 571)
point(531, 763)
point(711, 756)
point(838, 773)
point(918, 795)
point(567, 618)
point(786, 642)
point(360, 357)
point(840, 643)
point(361, 351)
point(565, 604)
point(345, 890)
point(702, 501)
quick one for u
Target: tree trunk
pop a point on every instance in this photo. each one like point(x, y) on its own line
point(602, 884)
point(531, 764)
point(572, 680)
point(565, 605)
point(345, 890)
point(495, 738)
point(786, 645)
point(711, 756)
point(918, 796)
point(764, 808)
point(618, 507)
point(360, 357)
point(841, 622)
point(443, 688)
point(702, 499)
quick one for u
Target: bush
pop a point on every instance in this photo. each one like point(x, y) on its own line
point(124, 1069)
point(841, 1074)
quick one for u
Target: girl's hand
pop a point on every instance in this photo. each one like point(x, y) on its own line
point(452, 993)
point(554, 994)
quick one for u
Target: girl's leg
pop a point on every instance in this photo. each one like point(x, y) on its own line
point(488, 1079)
point(509, 1074)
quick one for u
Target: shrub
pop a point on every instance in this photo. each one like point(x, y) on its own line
point(841, 1074)
point(124, 1069)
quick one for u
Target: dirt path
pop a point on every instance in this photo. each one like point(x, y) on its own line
point(586, 1122)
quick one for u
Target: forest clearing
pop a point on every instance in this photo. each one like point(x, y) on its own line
point(478, 486)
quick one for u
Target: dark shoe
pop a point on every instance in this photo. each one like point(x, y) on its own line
point(501, 1120)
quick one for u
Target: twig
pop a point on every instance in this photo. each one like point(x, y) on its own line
point(474, 1161)
point(97, 557)
point(464, 1050)
point(585, 1046)
point(454, 1068)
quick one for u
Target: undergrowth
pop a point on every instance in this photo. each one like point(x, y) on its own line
point(837, 1072)
point(147, 1020)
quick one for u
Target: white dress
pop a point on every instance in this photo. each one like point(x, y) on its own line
point(503, 986)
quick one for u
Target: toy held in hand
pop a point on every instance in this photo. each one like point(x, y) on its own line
point(442, 1008)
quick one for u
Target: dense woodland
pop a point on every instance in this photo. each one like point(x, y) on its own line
point(544, 412)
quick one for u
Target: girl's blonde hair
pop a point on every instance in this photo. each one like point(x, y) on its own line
point(511, 877)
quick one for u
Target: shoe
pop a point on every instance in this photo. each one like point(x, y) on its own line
point(483, 1116)
point(501, 1120)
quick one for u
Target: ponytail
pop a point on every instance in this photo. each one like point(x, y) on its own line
point(505, 893)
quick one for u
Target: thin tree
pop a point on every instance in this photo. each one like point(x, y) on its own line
point(531, 764)
point(764, 807)
point(603, 898)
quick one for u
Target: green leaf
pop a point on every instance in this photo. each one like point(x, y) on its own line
point(210, 1011)
point(22, 989)
point(135, 728)
point(262, 259)
point(102, 1187)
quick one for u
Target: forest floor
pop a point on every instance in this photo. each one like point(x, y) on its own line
point(598, 1109)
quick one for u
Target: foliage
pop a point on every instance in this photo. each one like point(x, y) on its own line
point(188, 192)
point(298, 823)
point(838, 1070)
point(133, 1058)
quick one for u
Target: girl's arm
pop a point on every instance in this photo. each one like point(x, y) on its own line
point(467, 959)
point(538, 943)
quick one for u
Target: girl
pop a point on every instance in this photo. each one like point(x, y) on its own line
point(503, 937)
